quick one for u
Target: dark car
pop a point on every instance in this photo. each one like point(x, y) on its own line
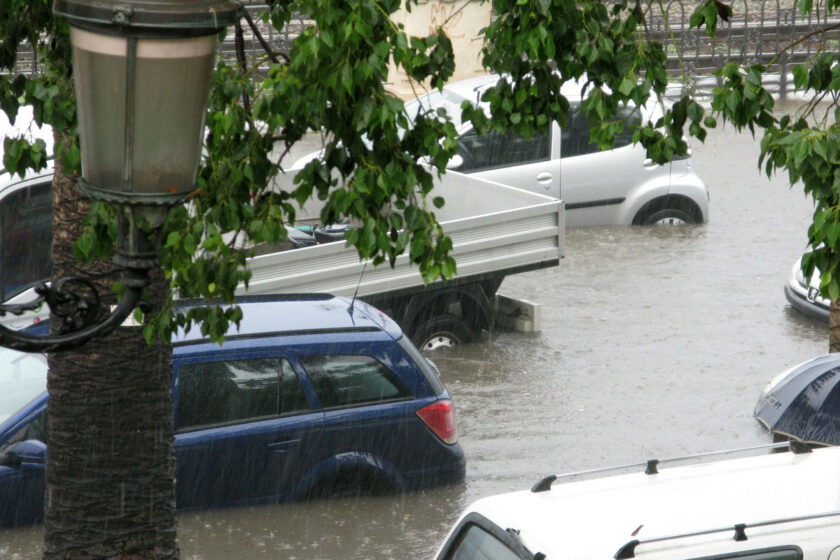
point(310, 397)
point(803, 402)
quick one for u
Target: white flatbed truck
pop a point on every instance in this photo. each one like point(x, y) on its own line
point(496, 231)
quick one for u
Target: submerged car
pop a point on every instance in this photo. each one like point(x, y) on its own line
point(804, 295)
point(312, 396)
point(621, 186)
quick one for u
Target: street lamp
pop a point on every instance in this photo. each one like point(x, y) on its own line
point(142, 70)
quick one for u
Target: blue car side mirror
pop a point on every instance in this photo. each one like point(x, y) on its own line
point(29, 451)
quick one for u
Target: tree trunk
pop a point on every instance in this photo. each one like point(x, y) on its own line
point(110, 465)
point(834, 327)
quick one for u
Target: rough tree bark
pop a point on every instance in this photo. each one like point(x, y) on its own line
point(110, 471)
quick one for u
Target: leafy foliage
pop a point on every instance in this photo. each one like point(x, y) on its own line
point(379, 163)
point(49, 93)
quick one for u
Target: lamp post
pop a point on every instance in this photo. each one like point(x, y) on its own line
point(142, 70)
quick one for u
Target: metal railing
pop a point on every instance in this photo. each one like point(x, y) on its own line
point(768, 32)
point(758, 32)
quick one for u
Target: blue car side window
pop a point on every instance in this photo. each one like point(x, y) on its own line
point(343, 380)
point(35, 429)
point(223, 392)
point(292, 397)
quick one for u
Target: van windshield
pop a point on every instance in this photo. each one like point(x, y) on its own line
point(448, 101)
point(25, 238)
point(23, 378)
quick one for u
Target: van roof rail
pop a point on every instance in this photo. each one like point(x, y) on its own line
point(628, 550)
point(651, 465)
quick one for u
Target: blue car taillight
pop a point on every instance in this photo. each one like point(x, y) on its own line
point(440, 418)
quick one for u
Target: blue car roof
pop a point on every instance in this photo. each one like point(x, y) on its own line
point(299, 314)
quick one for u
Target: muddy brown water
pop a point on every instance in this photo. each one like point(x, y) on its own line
point(655, 342)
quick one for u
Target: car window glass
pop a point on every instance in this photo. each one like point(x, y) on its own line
point(25, 238)
point(429, 370)
point(342, 380)
point(23, 378)
point(227, 391)
point(477, 544)
point(498, 149)
point(632, 118)
point(776, 553)
point(436, 100)
point(35, 429)
point(574, 138)
point(292, 397)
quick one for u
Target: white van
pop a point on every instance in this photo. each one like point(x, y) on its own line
point(774, 506)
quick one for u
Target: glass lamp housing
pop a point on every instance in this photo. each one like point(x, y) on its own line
point(141, 146)
point(142, 70)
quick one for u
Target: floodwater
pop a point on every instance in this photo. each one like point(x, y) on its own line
point(655, 343)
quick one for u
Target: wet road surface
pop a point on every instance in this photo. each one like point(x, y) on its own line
point(655, 343)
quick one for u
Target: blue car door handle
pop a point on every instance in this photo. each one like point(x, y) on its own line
point(283, 445)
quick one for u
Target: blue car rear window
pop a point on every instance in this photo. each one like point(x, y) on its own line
point(343, 380)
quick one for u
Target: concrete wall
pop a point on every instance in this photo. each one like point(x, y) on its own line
point(462, 20)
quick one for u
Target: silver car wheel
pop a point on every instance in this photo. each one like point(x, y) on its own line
point(439, 341)
point(672, 221)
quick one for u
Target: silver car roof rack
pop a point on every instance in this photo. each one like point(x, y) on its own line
point(629, 549)
point(651, 465)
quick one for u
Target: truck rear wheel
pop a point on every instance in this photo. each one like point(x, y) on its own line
point(441, 331)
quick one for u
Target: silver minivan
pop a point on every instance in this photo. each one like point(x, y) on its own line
point(621, 186)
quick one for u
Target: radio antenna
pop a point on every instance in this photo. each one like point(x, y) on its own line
point(353, 301)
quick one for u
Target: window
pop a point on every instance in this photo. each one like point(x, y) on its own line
point(25, 238)
point(35, 429)
point(430, 371)
point(477, 544)
point(292, 398)
point(574, 138)
point(229, 391)
point(496, 149)
point(775, 553)
point(349, 379)
point(436, 100)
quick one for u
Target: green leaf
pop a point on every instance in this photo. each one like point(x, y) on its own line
point(627, 84)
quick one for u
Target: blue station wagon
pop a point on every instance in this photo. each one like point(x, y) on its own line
point(311, 397)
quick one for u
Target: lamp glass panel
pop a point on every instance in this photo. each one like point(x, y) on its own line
point(173, 84)
point(99, 63)
point(170, 99)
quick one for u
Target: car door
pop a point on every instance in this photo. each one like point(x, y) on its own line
point(369, 413)
point(527, 163)
point(594, 182)
point(22, 482)
point(244, 425)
